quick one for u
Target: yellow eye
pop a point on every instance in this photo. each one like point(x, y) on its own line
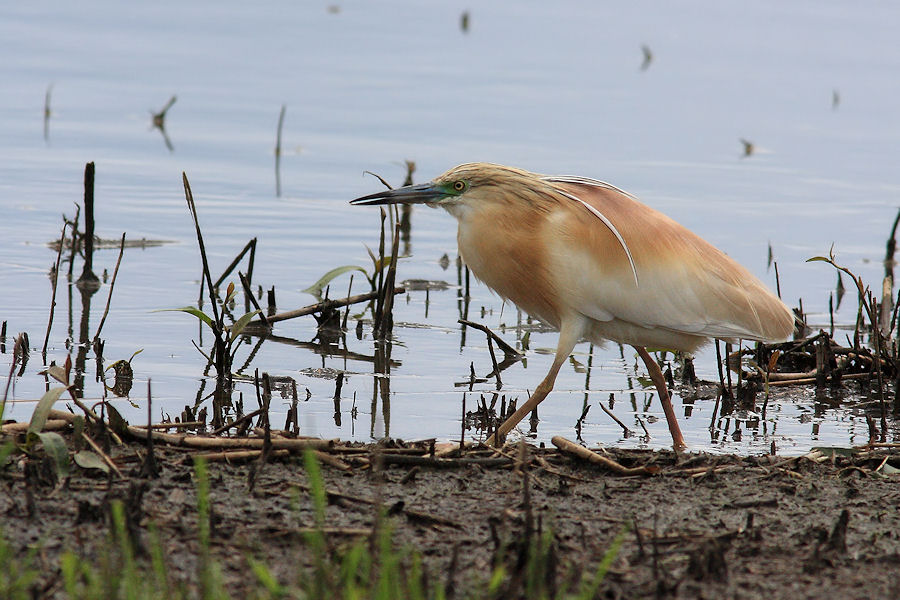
point(459, 186)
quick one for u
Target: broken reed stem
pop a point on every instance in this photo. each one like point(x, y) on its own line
point(237, 422)
point(891, 249)
point(54, 285)
point(379, 285)
point(507, 349)
point(324, 305)
point(624, 427)
point(278, 132)
point(74, 248)
point(245, 283)
point(462, 427)
point(490, 343)
point(347, 310)
point(112, 284)
point(88, 278)
point(386, 315)
point(876, 332)
point(248, 247)
point(728, 368)
point(278, 151)
point(719, 365)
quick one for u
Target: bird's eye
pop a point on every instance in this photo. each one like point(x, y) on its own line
point(459, 186)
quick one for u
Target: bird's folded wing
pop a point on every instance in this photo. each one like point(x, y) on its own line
point(684, 284)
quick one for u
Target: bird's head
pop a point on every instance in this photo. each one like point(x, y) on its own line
point(465, 185)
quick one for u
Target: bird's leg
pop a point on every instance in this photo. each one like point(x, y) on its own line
point(569, 334)
point(536, 398)
point(659, 381)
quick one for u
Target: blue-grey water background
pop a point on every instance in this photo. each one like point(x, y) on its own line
point(552, 87)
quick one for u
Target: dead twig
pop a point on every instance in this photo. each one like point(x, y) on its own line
point(507, 349)
point(235, 455)
point(319, 307)
point(198, 441)
point(102, 454)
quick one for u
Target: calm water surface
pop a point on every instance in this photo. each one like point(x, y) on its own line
point(552, 87)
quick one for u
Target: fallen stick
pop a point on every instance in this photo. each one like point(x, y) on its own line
point(235, 455)
point(102, 454)
point(236, 422)
point(62, 415)
point(197, 441)
point(334, 461)
point(806, 380)
point(445, 463)
point(50, 425)
point(590, 456)
point(181, 425)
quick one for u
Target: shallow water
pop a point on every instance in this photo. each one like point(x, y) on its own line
point(555, 89)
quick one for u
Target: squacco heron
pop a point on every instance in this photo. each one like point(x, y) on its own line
point(595, 263)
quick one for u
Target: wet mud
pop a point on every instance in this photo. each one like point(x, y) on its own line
point(700, 526)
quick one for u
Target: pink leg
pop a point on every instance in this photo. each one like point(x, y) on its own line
point(569, 334)
point(660, 382)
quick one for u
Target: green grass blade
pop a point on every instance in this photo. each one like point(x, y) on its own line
point(42, 410)
point(316, 288)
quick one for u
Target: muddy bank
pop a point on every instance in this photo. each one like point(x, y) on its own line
point(701, 526)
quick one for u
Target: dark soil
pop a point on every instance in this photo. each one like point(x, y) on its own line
point(703, 526)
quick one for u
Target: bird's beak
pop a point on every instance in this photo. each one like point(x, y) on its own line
point(425, 193)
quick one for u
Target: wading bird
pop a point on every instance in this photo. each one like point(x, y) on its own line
point(595, 263)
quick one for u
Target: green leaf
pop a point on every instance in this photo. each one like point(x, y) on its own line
point(316, 288)
point(382, 263)
point(55, 447)
point(819, 259)
point(241, 323)
point(116, 422)
point(6, 451)
point(90, 460)
point(42, 410)
point(192, 311)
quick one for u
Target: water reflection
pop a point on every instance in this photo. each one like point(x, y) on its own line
point(159, 122)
